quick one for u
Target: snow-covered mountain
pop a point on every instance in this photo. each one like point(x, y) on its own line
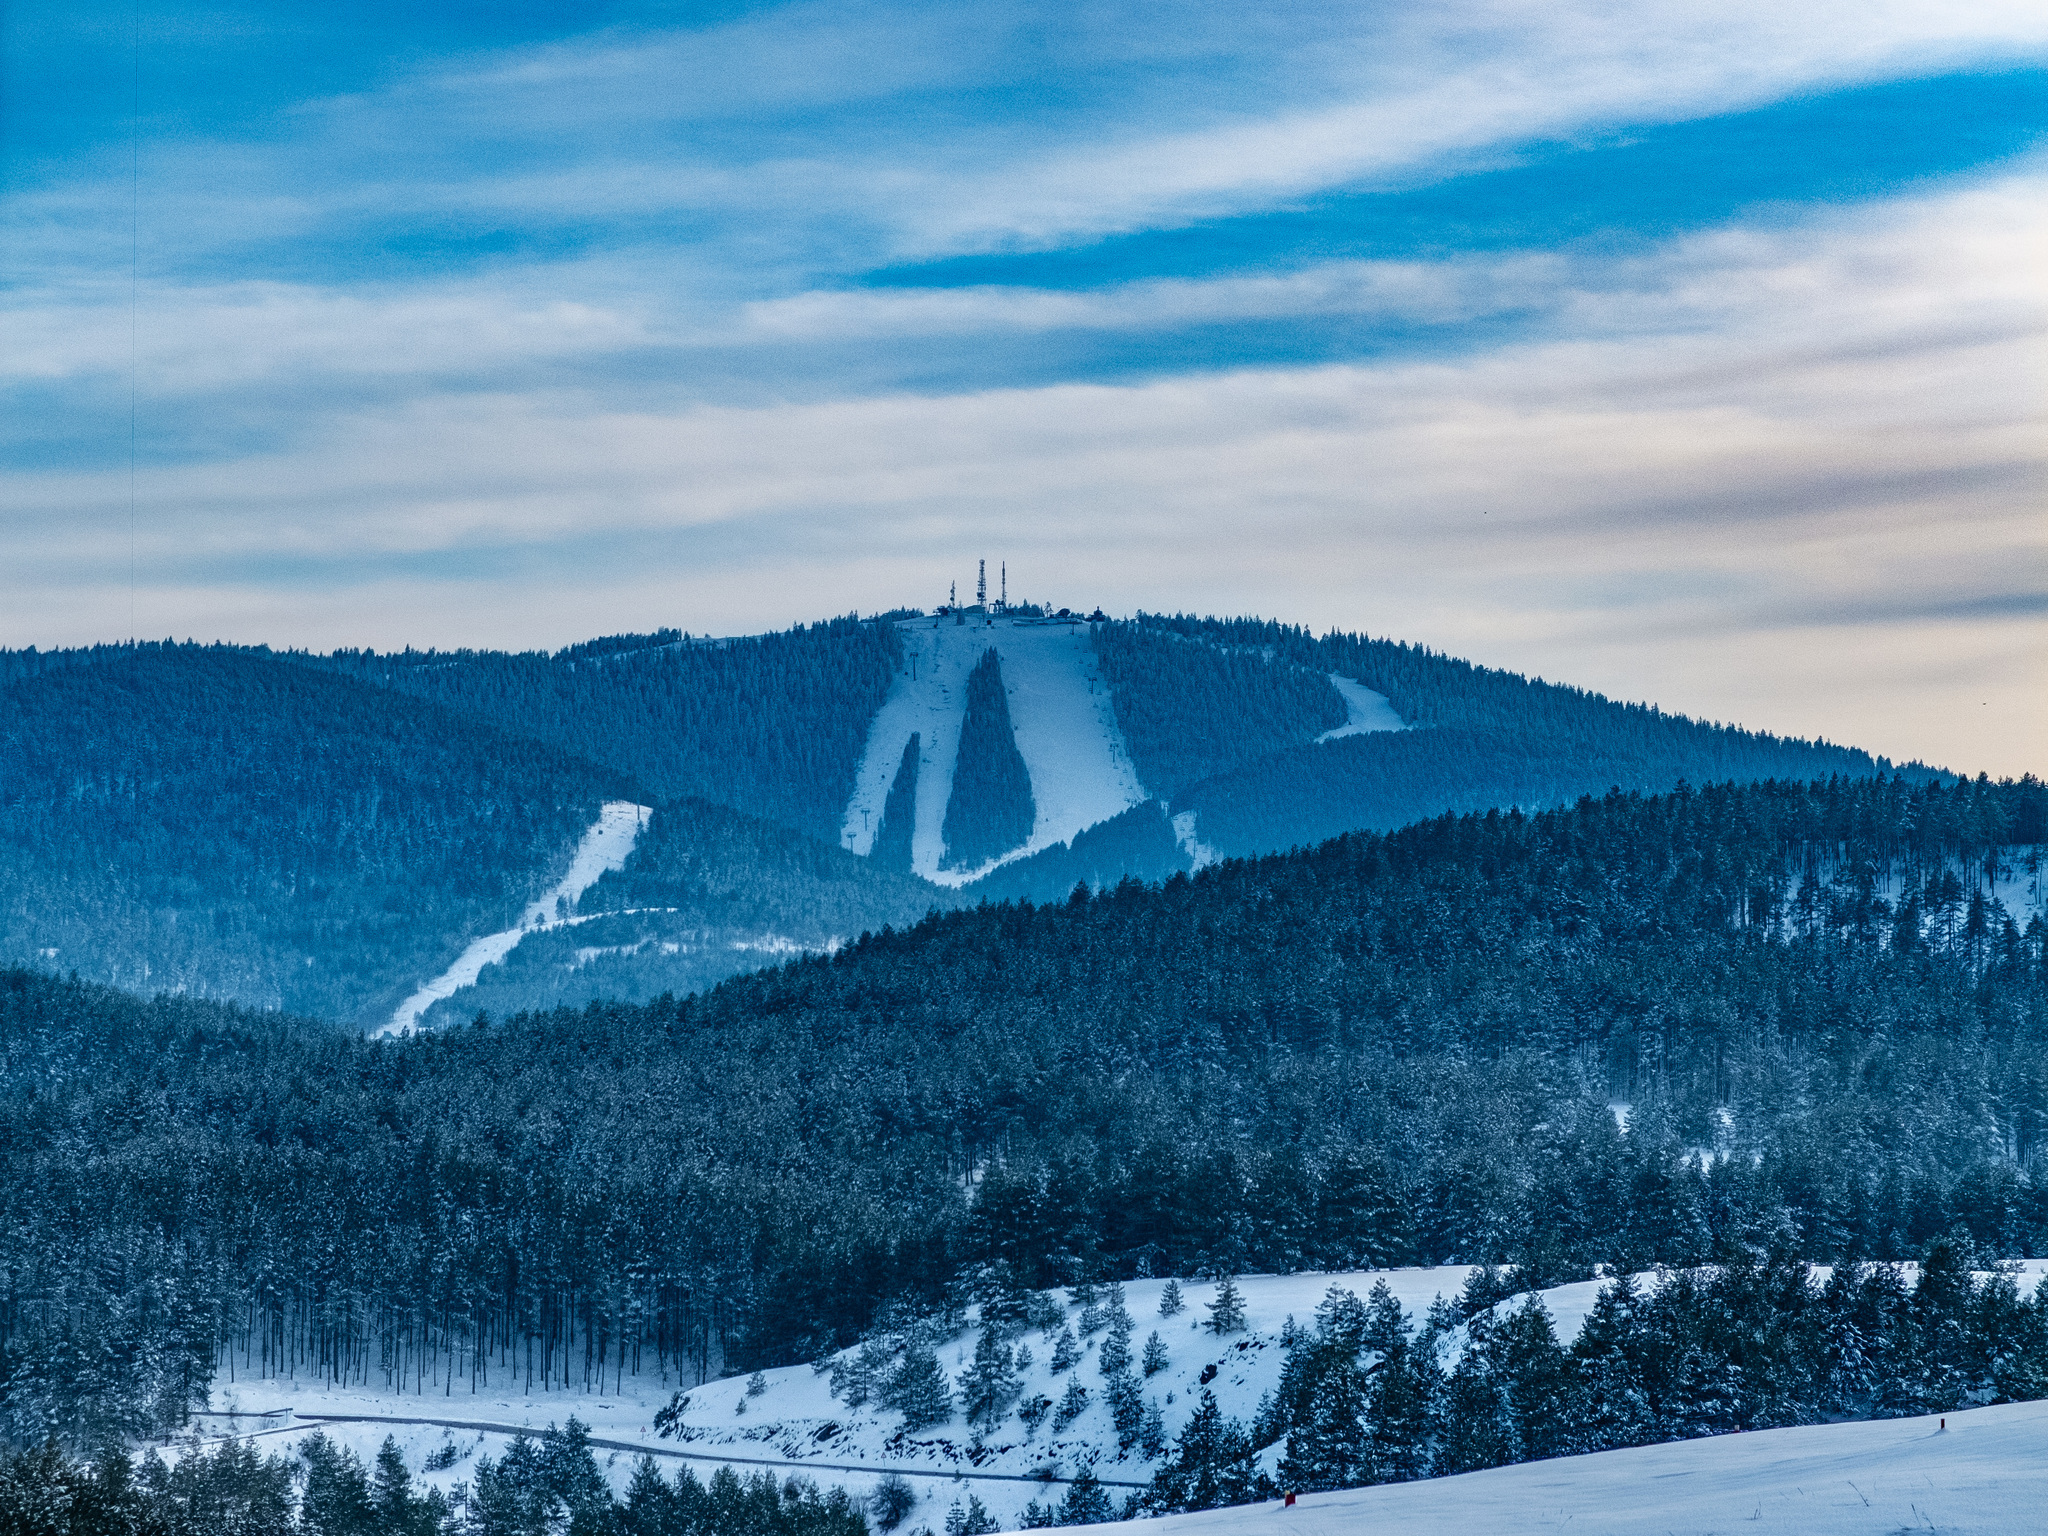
point(1101, 750)
point(1064, 722)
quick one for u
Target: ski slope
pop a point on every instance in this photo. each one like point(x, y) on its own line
point(604, 847)
point(1984, 1475)
point(1060, 712)
point(1368, 711)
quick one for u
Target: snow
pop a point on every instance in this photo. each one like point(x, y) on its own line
point(1983, 1474)
point(1369, 711)
point(1065, 729)
point(604, 847)
point(796, 1426)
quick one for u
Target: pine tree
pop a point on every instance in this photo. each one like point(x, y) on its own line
point(974, 1520)
point(918, 1389)
point(1212, 1464)
point(1170, 1303)
point(1152, 1432)
point(1071, 1405)
point(1115, 1354)
point(1066, 1350)
point(990, 1382)
point(1226, 1312)
point(1087, 1501)
point(1126, 1407)
point(1155, 1359)
point(1329, 1449)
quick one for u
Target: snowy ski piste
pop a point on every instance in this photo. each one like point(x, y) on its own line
point(604, 847)
point(1366, 710)
point(1060, 714)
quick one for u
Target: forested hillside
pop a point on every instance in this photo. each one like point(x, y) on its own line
point(706, 893)
point(212, 821)
point(1478, 738)
point(1195, 702)
point(990, 810)
point(772, 725)
point(1389, 1048)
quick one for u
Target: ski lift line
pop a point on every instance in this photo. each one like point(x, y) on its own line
point(741, 1461)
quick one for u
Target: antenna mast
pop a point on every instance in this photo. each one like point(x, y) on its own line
point(981, 587)
point(1003, 602)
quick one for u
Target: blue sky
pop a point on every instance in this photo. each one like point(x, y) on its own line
point(1689, 352)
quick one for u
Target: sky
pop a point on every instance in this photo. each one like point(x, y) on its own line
point(1689, 352)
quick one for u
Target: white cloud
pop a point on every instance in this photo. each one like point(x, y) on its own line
point(1462, 82)
point(1789, 476)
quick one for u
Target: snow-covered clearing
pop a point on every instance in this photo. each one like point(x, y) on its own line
point(1369, 711)
point(604, 847)
point(1983, 1474)
point(797, 1426)
point(1060, 712)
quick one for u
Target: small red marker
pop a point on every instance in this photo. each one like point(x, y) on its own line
point(1288, 1502)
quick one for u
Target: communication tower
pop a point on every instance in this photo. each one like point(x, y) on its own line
point(981, 587)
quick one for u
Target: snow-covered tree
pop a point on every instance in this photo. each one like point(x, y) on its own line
point(1226, 1312)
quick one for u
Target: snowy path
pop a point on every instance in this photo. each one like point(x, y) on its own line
point(637, 1446)
point(1369, 711)
point(604, 847)
point(1065, 729)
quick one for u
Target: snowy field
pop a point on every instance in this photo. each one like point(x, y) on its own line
point(604, 847)
point(1060, 712)
point(1985, 1475)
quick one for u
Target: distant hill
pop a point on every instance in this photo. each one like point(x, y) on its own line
point(317, 832)
point(209, 821)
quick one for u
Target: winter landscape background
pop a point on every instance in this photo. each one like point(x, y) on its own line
point(802, 767)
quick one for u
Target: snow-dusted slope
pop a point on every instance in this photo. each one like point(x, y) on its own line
point(1368, 711)
point(1984, 1475)
point(1065, 729)
point(604, 846)
point(796, 1425)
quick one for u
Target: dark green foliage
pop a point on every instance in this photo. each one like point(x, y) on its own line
point(218, 823)
point(892, 1501)
point(1136, 845)
point(991, 809)
point(892, 845)
point(706, 893)
point(550, 1486)
point(730, 1505)
point(918, 1388)
point(773, 725)
point(972, 1519)
point(1390, 1043)
point(1213, 1464)
point(1086, 1501)
point(1226, 1312)
point(990, 1382)
point(1480, 739)
point(1194, 706)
